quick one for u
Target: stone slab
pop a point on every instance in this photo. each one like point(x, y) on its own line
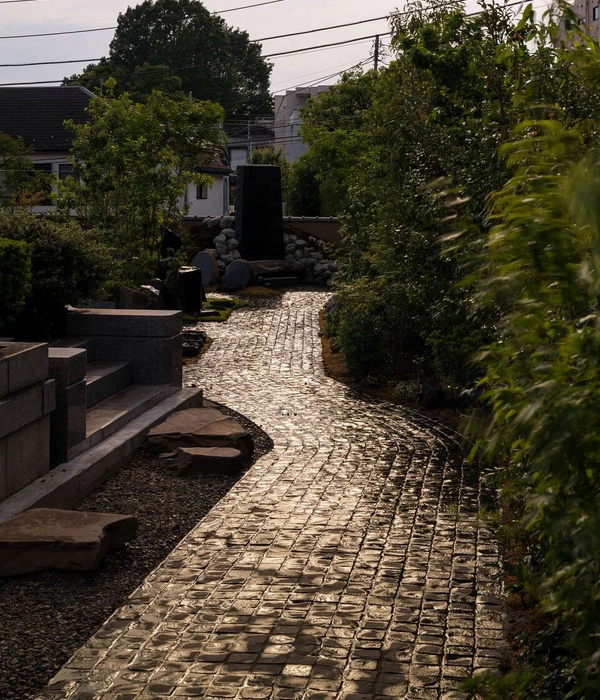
point(123, 322)
point(3, 493)
point(68, 421)
point(200, 427)
point(67, 365)
point(191, 461)
point(105, 378)
point(49, 538)
point(26, 364)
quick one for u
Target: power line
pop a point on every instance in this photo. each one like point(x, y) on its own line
point(273, 55)
point(266, 38)
point(325, 46)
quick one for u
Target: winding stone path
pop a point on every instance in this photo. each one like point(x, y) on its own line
point(347, 563)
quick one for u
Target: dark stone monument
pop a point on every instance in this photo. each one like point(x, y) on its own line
point(259, 212)
point(191, 292)
point(171, 243)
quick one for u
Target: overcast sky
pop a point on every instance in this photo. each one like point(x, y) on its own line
point(284, 17)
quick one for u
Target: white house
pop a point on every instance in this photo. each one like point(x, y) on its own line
point(37, 115)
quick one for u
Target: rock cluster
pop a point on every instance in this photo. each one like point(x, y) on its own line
point(317, 270)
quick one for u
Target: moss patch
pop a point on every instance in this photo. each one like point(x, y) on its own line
point(221, 309)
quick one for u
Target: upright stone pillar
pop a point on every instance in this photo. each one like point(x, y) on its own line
point(259, 212)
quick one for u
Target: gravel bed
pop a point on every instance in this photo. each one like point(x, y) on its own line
point(46, 617)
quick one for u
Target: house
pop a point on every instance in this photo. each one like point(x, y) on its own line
point(201, 201)
point(37, 115)
point(242, 142)
point(288, 120)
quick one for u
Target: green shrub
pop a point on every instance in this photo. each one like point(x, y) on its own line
point(15, 275)
point(68, 266)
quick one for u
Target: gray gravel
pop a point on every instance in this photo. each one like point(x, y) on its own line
point(45, 617)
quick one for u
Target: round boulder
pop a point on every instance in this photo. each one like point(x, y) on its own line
point(238, 275)
point(207, 264)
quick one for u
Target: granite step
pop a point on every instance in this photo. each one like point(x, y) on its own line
point(83, 342)
point(116, 411)
point(103, 379)
point(281, 281)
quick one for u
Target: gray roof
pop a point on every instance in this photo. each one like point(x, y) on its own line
point(36, 114)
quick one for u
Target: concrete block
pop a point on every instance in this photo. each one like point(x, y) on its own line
point(123, 322)
point(27, 454)
point(27, 364)
point(67, 365)
point(154, 360)
point(48, 396)
point(16, 410)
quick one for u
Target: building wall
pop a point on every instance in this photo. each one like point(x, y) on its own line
point(586, 10)
point(216, 202)
point(288, 120)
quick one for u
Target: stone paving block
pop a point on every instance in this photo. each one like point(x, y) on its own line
point(346, 563)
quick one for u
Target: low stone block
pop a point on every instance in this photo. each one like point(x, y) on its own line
point(124, 322)
point(67, 365)
point(200, 427)
point(192, 461)
point(154, 360)
point(48, 538)
point(27, 454)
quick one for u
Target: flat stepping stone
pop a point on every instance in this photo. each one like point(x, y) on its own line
point(192, 461)
point(200, 427)
point(49, 538)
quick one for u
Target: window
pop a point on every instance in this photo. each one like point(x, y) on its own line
point(201, 192)
point(596, 12)
point(65, 170)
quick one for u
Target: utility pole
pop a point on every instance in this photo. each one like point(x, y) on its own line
point(376, 55)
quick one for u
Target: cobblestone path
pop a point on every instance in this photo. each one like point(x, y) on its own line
point(345, 564)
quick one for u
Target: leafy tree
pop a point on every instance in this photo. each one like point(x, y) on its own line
point(210, 59)
point(134, 162)
point(20, 184)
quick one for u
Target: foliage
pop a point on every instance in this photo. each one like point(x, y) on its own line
point(542, 379)
point(134, 162)
point(427, 133)
point(303, 196)
point(205, 57)
point(15, 276)
point(20, 184)
point(68, 266)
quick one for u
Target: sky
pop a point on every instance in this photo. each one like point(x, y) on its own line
point(284, 17)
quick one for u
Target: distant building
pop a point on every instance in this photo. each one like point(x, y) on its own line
point(288, 120)
point(37, 115)
point(241, 143)
point(588, 13)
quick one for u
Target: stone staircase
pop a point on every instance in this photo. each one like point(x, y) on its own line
point(116, 376)
point(112, 399)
